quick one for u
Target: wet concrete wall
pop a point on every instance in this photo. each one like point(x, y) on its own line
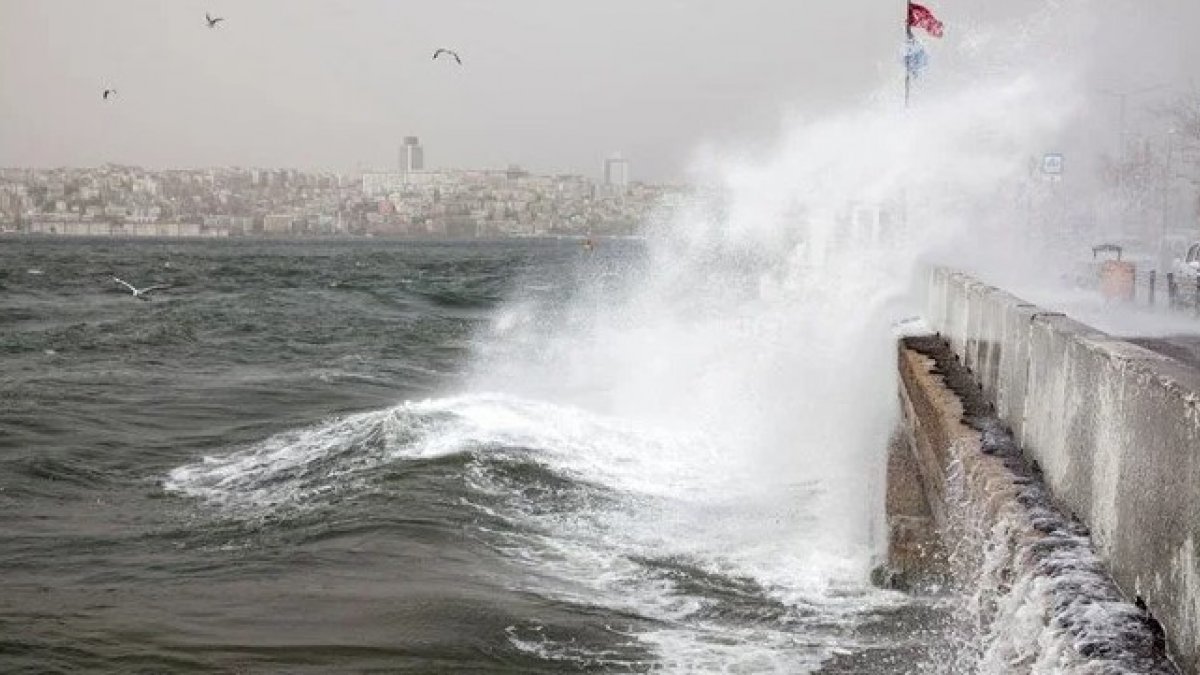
point(1114, 428)
point(1031, 594)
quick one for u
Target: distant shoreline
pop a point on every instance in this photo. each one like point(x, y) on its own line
point(316, 239)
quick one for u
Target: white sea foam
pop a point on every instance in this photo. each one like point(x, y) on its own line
point(668, 499)
point(763, 321)
point(735, 388)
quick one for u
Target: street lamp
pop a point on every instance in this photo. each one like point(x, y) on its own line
point(1123, 144)
point(1168, 179)
point(1123, 97)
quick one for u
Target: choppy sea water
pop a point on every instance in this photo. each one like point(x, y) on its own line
point(285, 463)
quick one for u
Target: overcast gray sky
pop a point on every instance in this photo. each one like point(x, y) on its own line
point(548, 84)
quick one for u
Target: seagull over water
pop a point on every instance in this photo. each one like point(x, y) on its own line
point(140, 293)
point(108, 93)
point(451, 52)
point(213, 20)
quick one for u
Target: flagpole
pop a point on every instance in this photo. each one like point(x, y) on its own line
point(908, 36)
point(908, 41)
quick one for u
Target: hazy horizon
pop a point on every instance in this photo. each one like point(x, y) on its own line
point(549, 86)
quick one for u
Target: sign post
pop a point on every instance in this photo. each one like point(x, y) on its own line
point(1052, 167)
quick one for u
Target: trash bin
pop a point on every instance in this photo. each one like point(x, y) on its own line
point(1117, 280)
point(1117, 277)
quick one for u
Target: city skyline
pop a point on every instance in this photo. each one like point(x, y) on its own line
point(553, 87)
point(600, 172)
point(410, 159)
point(128, 201)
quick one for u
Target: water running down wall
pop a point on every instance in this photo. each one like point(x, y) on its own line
point(1113, 427)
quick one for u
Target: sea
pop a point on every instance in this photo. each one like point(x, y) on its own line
point(520, 456)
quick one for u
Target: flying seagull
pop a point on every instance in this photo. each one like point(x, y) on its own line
point(140, 293)
point(451, 52)
point(213, 20)
point(108, 93)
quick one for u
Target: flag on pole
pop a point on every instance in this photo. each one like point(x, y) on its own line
point(919, 16)
point(915, 57)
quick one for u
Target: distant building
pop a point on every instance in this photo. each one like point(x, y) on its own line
point(616, 172)
point(277, 224)
point(378, 184)
point(412, 155)
point(230, 225)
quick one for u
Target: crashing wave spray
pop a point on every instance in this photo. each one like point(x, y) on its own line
point(726, 396)
point(759, 320)
point(759, 317)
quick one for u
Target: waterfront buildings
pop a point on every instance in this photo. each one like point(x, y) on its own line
point(131, 201)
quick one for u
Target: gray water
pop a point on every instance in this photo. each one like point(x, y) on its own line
point(280, 464)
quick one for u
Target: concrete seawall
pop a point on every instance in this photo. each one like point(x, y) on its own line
point(1114, 429)
point(1033, 596)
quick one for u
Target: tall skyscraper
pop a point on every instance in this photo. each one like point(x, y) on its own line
point(412, 155)
point(616, 172)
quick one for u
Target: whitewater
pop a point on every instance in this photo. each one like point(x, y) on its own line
point(658, 455)
point(692, 438)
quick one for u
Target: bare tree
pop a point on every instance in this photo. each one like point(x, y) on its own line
point(1183, 116)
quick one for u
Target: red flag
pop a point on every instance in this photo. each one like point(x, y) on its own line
point(919, 16)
